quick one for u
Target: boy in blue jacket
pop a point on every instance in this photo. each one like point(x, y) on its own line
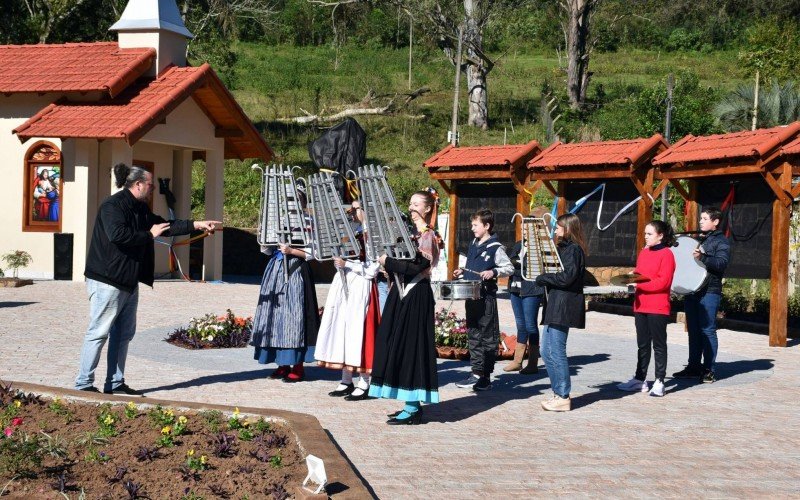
point(486, 261)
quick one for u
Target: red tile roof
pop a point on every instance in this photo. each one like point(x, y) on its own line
point(625, 152)
point(71, 67)
point(143, 105)
point(482, 156)
point(741, 145)
point(793, 148)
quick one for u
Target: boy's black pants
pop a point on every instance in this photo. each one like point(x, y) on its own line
point(483, 334)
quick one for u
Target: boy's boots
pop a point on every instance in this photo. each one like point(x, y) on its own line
point(519, 355)
point(533, 361)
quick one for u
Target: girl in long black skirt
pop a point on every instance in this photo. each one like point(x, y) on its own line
point(404, 366)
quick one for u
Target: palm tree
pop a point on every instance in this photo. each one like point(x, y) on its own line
point(778, 104)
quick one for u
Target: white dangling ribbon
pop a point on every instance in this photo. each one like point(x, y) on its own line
point(617, 216)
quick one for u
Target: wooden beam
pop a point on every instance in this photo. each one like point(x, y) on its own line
point(679, 188)
point(661, 185)
point(796, 191)
point(452, 232)
point(470, 175)
point(549, 186)
point(447, 189)
point(228, 132)
point(780, 194)
point(711, 171)
point(598, 175)
point(779, 266)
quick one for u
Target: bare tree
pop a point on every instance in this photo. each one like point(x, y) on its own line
point(226, 15)
point(575, 24)
point(443, 21)
point(45, 14)
point(475, 63)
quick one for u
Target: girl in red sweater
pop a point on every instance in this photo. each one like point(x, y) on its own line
point(651, 306)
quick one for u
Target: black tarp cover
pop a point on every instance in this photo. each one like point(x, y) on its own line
point(341, 148)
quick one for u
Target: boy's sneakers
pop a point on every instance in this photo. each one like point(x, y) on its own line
point(658, 388)
point(708, 377)
point(633, 385)
point(688, 372)
point(483, 384)
point(468, 382)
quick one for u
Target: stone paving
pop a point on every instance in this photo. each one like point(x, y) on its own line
point(739, 437)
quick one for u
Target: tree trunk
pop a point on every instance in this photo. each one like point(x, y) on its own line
point(577, 28)
point(476, 69)
point(478, 97)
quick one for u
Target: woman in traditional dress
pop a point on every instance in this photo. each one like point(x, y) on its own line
point(404, 367)
point(287, 317)
point(346, 337)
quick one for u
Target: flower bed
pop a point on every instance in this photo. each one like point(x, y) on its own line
point(213, 332)
point(451, 338)
point(450, 335)
point(49, 447)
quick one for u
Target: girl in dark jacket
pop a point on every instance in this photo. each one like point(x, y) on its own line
point(564, 308)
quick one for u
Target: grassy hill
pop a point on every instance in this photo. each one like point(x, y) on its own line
point(275, 82)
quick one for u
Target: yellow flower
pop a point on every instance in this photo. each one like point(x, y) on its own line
point(246, 423)
point(17, 403)
point(166, 430)
point(236, 412)
point(182, 420)
point(190, 453)
point(131, 406)
point(108, 420)
point(203, 459)
point(169, 413)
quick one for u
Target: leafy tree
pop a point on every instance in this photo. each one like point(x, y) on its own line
point(773, 47)
point(640, 111)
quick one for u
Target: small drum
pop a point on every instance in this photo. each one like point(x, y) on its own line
point(690, 273)
point(456, 290)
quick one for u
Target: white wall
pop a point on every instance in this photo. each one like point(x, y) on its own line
point(88, 180)
point(14, 111)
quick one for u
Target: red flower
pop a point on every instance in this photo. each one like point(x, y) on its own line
point(8, 432)
point(16, 421)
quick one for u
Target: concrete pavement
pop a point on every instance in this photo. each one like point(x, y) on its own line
point(739, 437)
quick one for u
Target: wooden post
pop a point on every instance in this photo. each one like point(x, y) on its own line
point(522, 207)
point(452, 231)
point(691, 212)
point(779, 272)
point(562, 200)
point(644, 209)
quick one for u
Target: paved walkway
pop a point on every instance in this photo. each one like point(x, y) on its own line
point(739, 437)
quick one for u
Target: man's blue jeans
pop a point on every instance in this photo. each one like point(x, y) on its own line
point(701, 322)
point(112, 317)
point(553, 350)
point(526, 311)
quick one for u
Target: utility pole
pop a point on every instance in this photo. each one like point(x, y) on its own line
point(410, 45)
point(667, 136)
point(454, 126)
point(755, 104)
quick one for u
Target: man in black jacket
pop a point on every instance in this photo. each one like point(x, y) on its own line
point(701, 307)
point(121, 256)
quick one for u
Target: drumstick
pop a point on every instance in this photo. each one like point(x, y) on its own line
point(470, 271)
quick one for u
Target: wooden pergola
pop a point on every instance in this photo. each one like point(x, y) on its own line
point(600, 161)
point(770, 154)
point(455, 165)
